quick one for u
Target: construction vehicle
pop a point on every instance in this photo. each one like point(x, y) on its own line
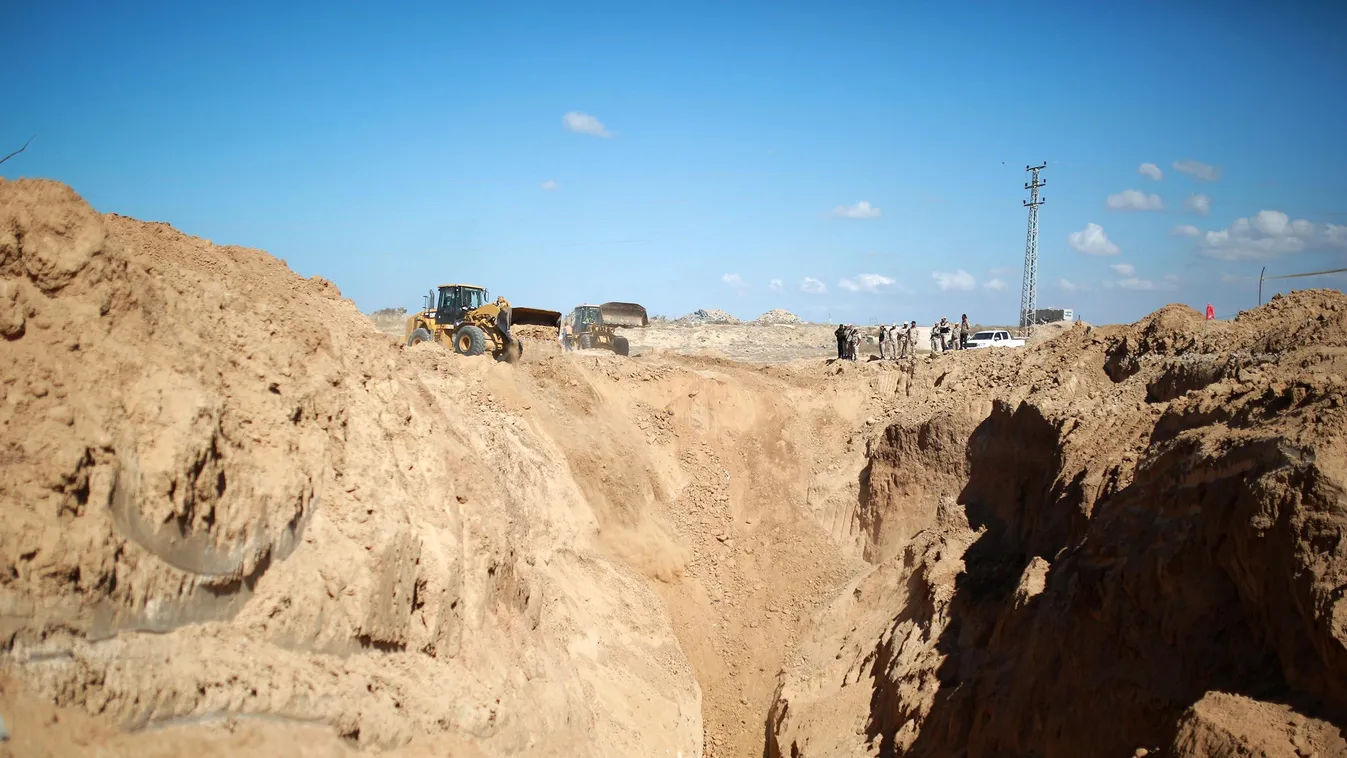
point(463, 316)
point(594, 326)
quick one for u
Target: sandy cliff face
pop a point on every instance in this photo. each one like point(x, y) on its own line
point(239, 518)
point(226, 495)
point(1149, 516)
point(240, 507)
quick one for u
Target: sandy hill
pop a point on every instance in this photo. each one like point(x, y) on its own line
point(776, 316)
point(703, 316)
point(240, 519)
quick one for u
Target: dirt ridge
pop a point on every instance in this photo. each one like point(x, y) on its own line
point(1126, 553)
point(241, 517)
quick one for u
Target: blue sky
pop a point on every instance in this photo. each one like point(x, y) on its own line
point(392, 147)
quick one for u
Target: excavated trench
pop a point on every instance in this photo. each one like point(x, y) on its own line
point(1128, 538)
point(728, 490)
point(1083, 584)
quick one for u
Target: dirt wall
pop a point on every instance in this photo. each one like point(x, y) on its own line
point(226, 496)
point(249, 511)
point(238, 517)
point(1112, 557)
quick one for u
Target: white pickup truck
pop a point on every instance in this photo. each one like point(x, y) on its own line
point(995, 338)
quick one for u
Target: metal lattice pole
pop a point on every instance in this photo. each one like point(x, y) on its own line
point(1029, 290)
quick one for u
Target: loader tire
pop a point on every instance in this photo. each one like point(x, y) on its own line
point(469, 340)
point(419, 335)
point(586, 342)
point(621, 346)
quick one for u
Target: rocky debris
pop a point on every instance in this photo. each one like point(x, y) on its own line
point(335, 542)
point(1221, 724)
point(226, 496)
point(702, 317)
point(1152, 515)
point(777, 316)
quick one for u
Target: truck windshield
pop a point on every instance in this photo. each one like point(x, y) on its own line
point(474, 299)
point(982, 336)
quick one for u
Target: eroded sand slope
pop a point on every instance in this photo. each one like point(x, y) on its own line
point(232, 497)
point(224, 494)
point(239, 518)
point(1137, 545)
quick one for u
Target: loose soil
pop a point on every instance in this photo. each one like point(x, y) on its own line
point(239, 517)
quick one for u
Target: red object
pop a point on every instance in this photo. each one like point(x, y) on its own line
point(1211, 312)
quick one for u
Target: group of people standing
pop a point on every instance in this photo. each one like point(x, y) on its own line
point(848, 341)
point(897, 340)
point(900, 340)
point(946, 336)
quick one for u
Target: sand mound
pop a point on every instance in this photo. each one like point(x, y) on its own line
point(240, 518)
point(226, 495)
point(776, 316)
point(1051, 331)
point(701, 317)
point(229, 499)
point(1108, 528)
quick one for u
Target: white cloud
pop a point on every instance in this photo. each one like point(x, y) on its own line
point(1185, 230)
point(584, 123)
point(549, 185)
point(866, 283)
point(1124, 269)
point(735, 281)
point(1135, 200)
point(863, 209)
point(1269, 235)
point(995, 285)
point(813, 286)
point(776, 285)
point(1198, 170)
point(959, 280)
point(1151, 170)
point(1069, 285)
point(1275, 223)
point(1199, 204)
point(1092, 241)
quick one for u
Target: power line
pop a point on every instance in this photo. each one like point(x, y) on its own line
point(1029, 289)
point(1312, 273)
point(1262, 278)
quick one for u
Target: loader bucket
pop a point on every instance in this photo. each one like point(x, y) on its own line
point(624, 314)
point(534, 317)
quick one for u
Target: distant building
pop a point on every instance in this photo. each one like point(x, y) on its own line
point(1049, 315)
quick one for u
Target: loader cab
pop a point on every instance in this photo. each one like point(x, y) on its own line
point(455, 300)
point(586, 318)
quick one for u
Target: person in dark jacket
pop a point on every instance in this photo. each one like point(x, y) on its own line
point(841, 341)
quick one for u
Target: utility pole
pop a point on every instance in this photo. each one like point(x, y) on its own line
point(1029, 290)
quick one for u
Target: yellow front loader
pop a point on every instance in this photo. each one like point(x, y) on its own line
point(595, 326)
point(463, 317)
